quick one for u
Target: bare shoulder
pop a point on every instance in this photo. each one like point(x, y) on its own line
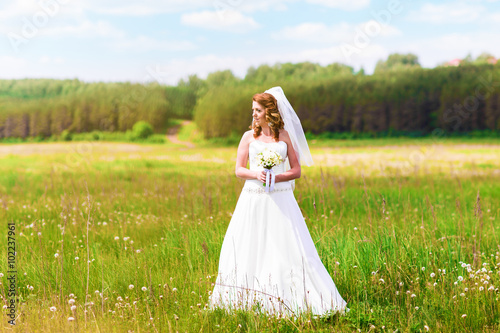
point(284, 135)
point(247, 136)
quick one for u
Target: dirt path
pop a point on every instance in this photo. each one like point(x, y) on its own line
point(172, 135)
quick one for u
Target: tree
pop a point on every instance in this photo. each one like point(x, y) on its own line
point(398, 61)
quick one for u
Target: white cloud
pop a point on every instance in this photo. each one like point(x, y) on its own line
point(85, 28)
point(342, 4)
point(154, 7)
point(13, 67)
point(453, 12)
point(226, 20)
point(145, 43)
point(439, 49)
point(342, 32)
point(48, 60)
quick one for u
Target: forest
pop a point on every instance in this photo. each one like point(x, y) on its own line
point(399, 98)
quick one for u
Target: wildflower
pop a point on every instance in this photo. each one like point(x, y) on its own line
point(382, 281)
point(481, 288)
point(56, 255)
point(433, 275)
point(119, 299)
point(373, 273)
point(355, 228)
point(73, 307)
point(435, 284)
point(71, 301)
point(71, 319)
point(462, 295)
point(117, 238)
point(131, 286)
point(76, 258)
point(126, 238)
point(423, 269)
point(464, 315)
point(426, 327)
point(413, 295)
point(174, 289)
point(97, 291)
point(1, 275)
point(144, 288)
point(416, 308)
point(460, 278)
point(52, 308)
point(491, 288)
point(401, 284)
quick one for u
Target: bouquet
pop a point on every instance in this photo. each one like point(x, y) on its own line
point(268, 159)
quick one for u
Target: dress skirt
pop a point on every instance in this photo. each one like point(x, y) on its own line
point(268, 261)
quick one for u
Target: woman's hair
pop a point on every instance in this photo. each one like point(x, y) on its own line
point(273, 117)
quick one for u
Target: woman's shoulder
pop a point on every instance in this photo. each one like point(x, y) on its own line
point(247, 136)
point(284, 134)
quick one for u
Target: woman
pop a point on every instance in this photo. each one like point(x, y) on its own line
point(268, 260)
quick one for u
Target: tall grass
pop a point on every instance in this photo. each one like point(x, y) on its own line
point(134, 240)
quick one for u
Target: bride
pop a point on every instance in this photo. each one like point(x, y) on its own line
point(268, 260)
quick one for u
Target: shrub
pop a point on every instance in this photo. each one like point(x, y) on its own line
point(142, 130)
point(66, 135)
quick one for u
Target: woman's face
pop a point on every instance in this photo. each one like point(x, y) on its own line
point(259, 114)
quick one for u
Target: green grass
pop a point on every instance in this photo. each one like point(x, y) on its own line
point(381, 220)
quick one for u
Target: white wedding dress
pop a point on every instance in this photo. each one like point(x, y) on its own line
point(268, 260)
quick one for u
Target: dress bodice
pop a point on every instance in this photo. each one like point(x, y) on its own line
point(257, 147)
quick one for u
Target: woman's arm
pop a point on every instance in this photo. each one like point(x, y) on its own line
point(241, 170)
point(295, 169)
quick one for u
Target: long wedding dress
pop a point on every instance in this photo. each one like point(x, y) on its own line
point(268, 260)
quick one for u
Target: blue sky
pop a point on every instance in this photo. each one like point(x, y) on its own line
point(164, 41)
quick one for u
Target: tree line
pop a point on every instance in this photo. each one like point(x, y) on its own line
point(400, 97)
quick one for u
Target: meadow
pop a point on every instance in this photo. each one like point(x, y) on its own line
point(124, 237)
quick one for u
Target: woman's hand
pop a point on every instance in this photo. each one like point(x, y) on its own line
point(261, 176)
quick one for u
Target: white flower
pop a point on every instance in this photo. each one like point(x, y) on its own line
point(433, 275)
point(481, 288)
point(426, 327)
point(435, 284)
point(117, 238)
point(174, 289)
point(423, 269)
point(52, 308)
point(460, 278)
point(144, 288)
point(73, 307)
point(416, 308)
point(131, 286)
point(462, 295)
point(119, 299)
point(76, 258)
point(382, 281)
point(71, 301)
point(56, 255)
point(71, 319)
point(413, 295)
point(464, 315)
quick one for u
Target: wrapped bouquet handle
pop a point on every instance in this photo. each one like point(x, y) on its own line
point(270, 180)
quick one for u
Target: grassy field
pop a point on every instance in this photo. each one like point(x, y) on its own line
point(117, 237)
